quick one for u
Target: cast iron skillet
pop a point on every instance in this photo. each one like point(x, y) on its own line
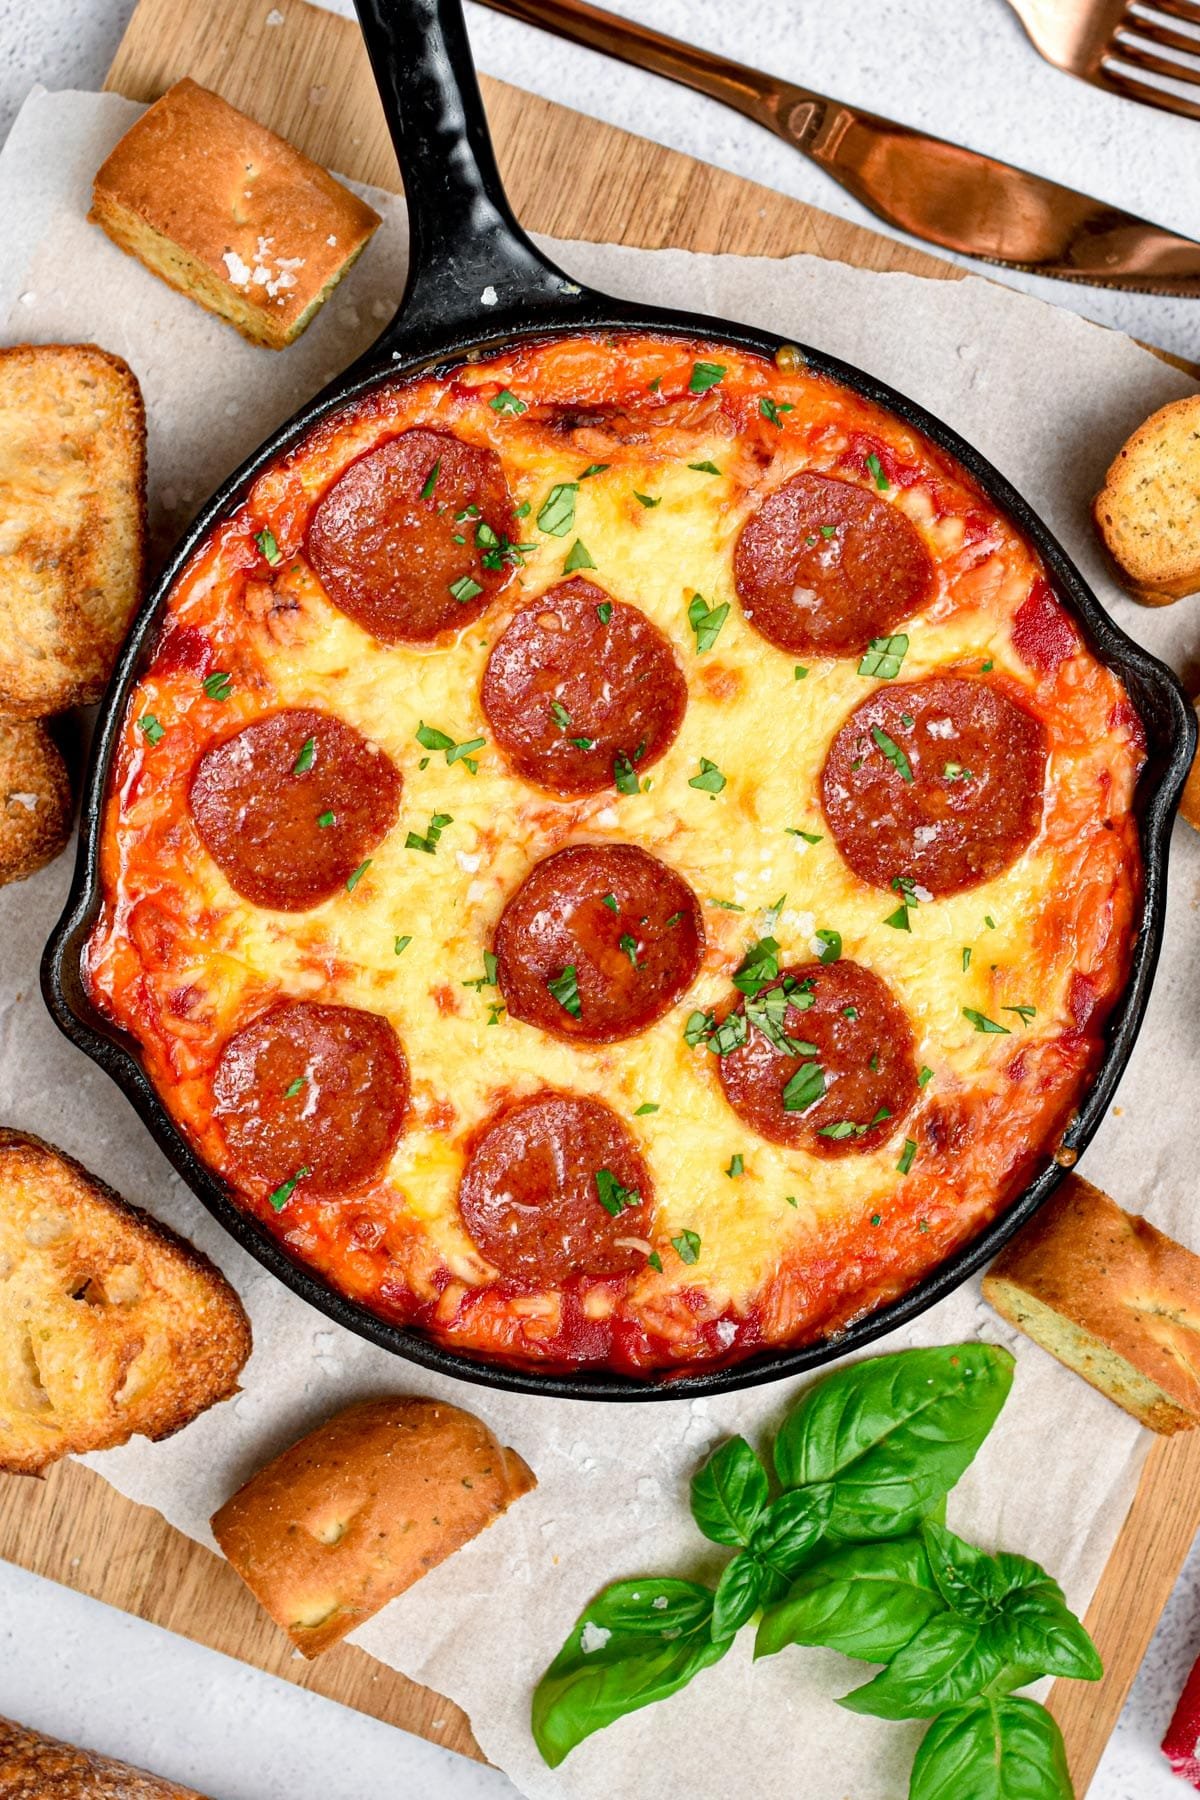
point(475, 283)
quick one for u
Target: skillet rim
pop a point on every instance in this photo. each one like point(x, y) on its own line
point(1155, 690)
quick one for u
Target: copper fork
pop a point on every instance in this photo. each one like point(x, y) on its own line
point(1102, 41)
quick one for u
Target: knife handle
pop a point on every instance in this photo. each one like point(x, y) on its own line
point(761, 97)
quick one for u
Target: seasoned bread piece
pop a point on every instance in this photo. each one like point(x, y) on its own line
point(35, 799)
point(109, 1323)
point(227, 212)
point(72, 522)
point(33, 1767)
point(361, 1508)
point(1189, 800)
point(1148, 511)
point(1110, 1297)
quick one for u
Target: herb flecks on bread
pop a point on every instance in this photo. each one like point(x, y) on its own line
point(230, 214)
point(110, 1324)
point(1148, 511)
point(1111, 1297)
point(72, 522)
point(361, 1508)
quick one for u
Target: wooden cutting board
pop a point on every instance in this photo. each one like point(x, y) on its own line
point(307, 77)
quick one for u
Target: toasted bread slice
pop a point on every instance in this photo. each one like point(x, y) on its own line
point(72, 522)
point(35, 799)
point(361, 1508)
point(1112, 1298)
point(109, 1323)
point(230, 214)
point(1189, 801)
point(1148, 511)
point(33, 1767)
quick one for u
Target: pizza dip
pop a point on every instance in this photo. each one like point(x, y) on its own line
point(618, 857)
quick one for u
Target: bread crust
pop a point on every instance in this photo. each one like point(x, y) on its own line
point(72, 522)
point(1148, 511)
point(110, 1323)
point(223, 210)
point(35, 1767)
point(35, 799)
point(1112, 1297)
point(361, 1508)
point(1189, 800)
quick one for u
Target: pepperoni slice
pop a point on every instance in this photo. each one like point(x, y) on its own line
point(598, 942)
point(314, 1092)
point(385, 537)
point(555, 1187)
point(938, 782)
point(850, 1075)
point(824, 566)
point(578, 681)
point(290, 805)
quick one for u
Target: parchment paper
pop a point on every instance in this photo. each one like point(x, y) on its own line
point(1048, 398)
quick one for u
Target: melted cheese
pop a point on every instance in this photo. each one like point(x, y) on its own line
point(795, 1243)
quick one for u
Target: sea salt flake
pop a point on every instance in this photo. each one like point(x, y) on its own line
point(236, 269)
point(593, 1637)
point(488, 297)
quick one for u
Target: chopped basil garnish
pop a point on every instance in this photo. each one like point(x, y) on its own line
point(727, 905)
point(925, 1077)
point(982, 1023)
point(966, 958)
point(285, 1190)
point(987, 667)
point(506, 402)
point(706, 621)
point(989, 921)
point(565, 990)
point(759, 966)
point(875, 471)
point(647, 1106)
point(687, 1244)
point(799, 672)
point(491, 969)
point(577, 558)
point(805, 1088)
point(624, 775)
point(906, 1156)
point(604, 611)
point(1024, 1013)
point(705, 375)
point(150, 725)
point(610, 900)
point(430, 738)
point(628, 943)
point(771, 409)
point(353, 879)
point(557, 514)
point(810, 837)
point(402, 943)
point(893, 752)
point(699, 1026)
point(431, 480)
point(710, 779)
point(218, 684)
point(675, 918)
point(613, 1197)
point(594, 469)
point(559, 714)
point(290, 1092)
point(705, 468)
point(304, 761)
point(899, 920)
point(737, 1166)
point(884, 656)
point(265, 539)
point(832, 942)
point(429, 842)
point(325, 820)
point(465, 588)
point(655, 1262)
point(646, 500)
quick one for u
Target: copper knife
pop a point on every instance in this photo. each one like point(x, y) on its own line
point(958, 199)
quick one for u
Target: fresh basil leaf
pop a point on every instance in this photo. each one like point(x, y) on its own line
point(867, 1600)
point(786, 1532)
point(992, 1750)
point(1036, 1628)
point(638, 1642)
point(729, 1493)
point(739, 1595)
point(950, 1660)
point(893, 1434)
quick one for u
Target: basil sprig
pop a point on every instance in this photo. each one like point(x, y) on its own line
point(853, 1555)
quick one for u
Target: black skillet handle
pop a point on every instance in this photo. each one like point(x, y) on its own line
point(469, 261)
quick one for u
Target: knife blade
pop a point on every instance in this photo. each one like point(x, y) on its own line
point(943, 193)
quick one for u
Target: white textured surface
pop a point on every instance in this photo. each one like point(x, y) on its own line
point(965, 71)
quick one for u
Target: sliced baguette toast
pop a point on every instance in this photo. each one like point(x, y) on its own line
point(1148, 511)
point(1111, 1297)
point(110, 1324)
point(34, 1767)
point(72, 522)
point(1189, 800)
point(35, 799)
